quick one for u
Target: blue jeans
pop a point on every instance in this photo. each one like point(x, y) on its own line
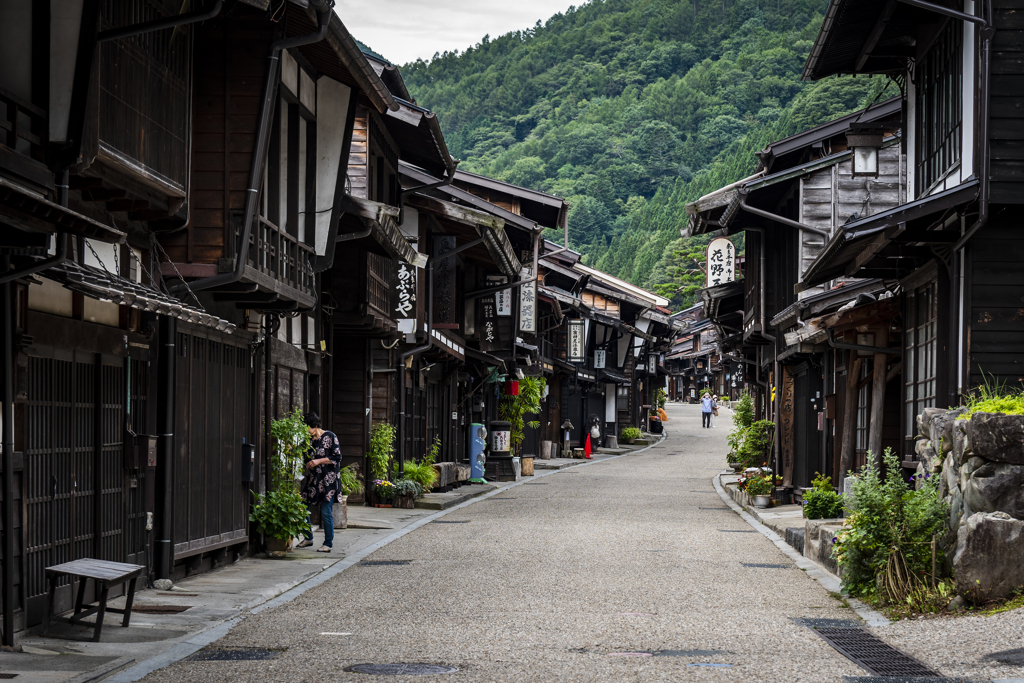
point(326, 521)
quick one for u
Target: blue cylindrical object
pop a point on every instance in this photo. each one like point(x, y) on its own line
point(477, 443)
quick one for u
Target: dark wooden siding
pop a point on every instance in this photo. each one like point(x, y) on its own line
point(230, 64)
point(996, 298)
point(348, 399)
point(213, 398)
point(1006, 114)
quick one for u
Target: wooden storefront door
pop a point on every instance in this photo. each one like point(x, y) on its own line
point(80, 501)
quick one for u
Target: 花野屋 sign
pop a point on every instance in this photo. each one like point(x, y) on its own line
point(721, 264)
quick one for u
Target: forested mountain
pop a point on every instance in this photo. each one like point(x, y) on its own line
point(631, 109)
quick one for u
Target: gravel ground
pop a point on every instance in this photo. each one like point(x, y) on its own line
point(553, 580)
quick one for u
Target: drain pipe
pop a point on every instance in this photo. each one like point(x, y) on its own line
point(164, 502)
point(159, 24)
point(782, 219)
point(323, 8)
point(987, 33)
point(7, 358)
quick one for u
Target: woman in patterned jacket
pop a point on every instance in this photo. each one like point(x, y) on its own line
point(322, 485)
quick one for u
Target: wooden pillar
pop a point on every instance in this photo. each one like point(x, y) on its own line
point(877, 407)
point(849, 426)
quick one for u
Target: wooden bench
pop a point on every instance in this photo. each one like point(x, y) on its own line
point(105, 575)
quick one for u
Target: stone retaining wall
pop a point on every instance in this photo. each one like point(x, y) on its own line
point(981, 464)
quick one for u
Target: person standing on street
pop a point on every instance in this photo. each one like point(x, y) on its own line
point(714, 410)
point(706, 404)
point(322, 485)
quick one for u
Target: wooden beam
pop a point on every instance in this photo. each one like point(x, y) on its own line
point(877, 407)
point(876, 33)
point(849, 419)
point(893, 371)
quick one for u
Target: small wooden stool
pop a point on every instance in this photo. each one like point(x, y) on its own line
point(104, 575)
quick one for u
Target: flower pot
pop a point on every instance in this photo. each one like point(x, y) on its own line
point(405, 502)
point(384, 503)
point(278, 545)
point(762, 501)
point(737, 467)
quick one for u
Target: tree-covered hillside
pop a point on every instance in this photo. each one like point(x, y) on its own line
point(631, 109)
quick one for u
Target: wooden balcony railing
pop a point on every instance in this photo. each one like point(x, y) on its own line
point(23, 130)
point(281, 256)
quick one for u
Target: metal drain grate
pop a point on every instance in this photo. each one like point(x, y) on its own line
point(240, 655)
point(826, 623)
point(761, 565)
point(401, 669)
point(737, 531)
point(450, 521)
point(874, 655)
point(912, 679)
point(160, 609)
point(383, 563)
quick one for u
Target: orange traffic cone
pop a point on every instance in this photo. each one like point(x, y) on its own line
point(586, 447)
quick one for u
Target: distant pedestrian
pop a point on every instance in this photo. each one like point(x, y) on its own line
point(706, 406)
point(714, 410)
point(321, 486)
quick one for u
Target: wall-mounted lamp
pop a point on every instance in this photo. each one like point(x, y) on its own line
point(866, 141)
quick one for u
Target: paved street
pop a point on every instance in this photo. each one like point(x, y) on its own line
point(554, 579)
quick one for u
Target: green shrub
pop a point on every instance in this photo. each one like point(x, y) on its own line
point(349, 480)
point(407, 487)
point(280, 514)
point(742, 418)
point(761, 486)
point(822, 502)
point(423, 474)
point(433, 452)
point(629, 434)
point(993, 397)
point(757, 440)
point(382, 447)
point(884, 546)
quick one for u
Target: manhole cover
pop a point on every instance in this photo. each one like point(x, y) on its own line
point(240, 655)
point(1008, 656)
point(826, 623)
point(910, 679)
point(450, 521)
point(761, 565)
point(874, 655)
point(689, 653)
point(401, 669)
point(160, 609)
point(383, 563)
point(737, 531)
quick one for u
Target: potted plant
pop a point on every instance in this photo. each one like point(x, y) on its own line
point(280, 514)
point(406, 491)
point(629, 434)
point(515, 407)
point(760, 489)
point(382, 448)
point(348, 480)
point(384, 492)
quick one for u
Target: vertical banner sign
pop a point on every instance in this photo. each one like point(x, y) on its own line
point(599, 359)
point(528, 297)
point(503, 298)
point(403, 296)
point(446, 315)
point(721, 262)
point(577, 342)
point(487, 326)
point(788, 419)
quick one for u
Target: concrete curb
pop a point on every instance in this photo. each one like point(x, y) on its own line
point(827, 580)
point(218, 630)
point(102, 672)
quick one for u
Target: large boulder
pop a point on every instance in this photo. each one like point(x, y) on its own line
point(996, 487)
point(926, 420)
point(997, 437)
point(950, 476)
point(989, 559)
point(961, 444)
point(942, 426)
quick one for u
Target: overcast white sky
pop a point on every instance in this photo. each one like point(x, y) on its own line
point(404, 30)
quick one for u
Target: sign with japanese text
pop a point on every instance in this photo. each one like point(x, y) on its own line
point(403, 296)
point(721, 264)
point(599, 359)
point(446, 315)
point(577, 341)
point(502, 298)
point(487, 324)
point(527, 297)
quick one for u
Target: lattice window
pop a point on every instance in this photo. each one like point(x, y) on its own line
point(920, 355)
point(939, 83)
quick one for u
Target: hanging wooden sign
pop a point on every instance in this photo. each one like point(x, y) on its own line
point(577, 341)
point(487, 324)
point(403, 296)
point(721, 263)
